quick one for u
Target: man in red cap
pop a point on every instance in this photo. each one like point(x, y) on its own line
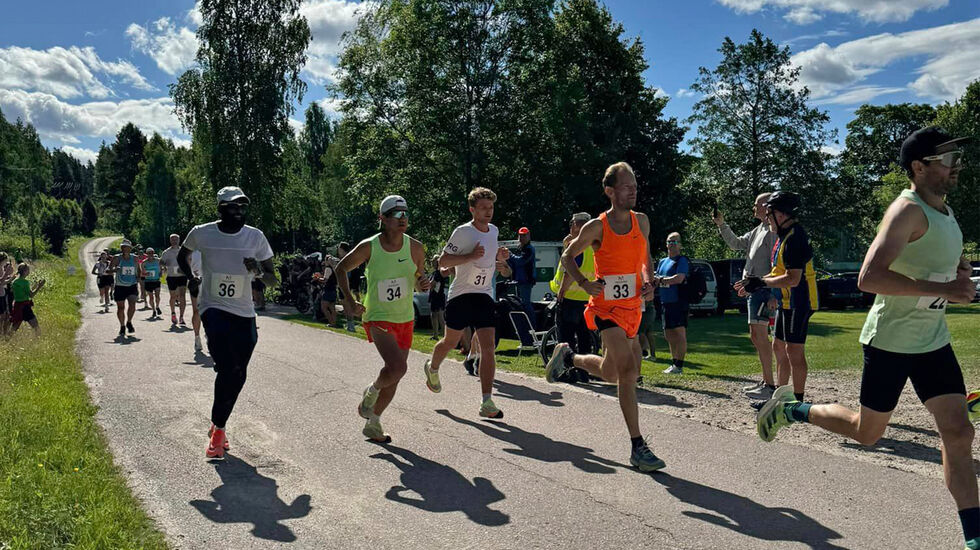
point(522, 263)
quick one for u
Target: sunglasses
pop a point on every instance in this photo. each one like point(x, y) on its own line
point(398, 214)
point(948, 159)
point(673, 242)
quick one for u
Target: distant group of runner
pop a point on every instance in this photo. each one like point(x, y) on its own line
point(915, 266)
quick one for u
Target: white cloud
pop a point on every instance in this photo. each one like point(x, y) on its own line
point(328, 20)
point(803, 12)
point(684, 92)
point(832, 149)
point(65, 72)
point(858, 95)
point(173, 49)
point(83, 155)
point(951, 62)
point(58, 120)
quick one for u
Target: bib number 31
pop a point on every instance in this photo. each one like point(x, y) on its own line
point(620, 287)
point(227, 286)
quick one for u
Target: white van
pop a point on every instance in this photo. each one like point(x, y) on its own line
point(709, 304)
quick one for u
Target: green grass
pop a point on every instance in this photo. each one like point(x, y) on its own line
point(719, 349)
point(58, 485)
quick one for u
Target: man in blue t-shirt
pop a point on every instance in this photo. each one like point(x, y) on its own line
point(522, 263)
point(671, 273)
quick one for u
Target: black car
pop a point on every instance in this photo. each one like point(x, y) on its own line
point(840, 290)
point(727, 273)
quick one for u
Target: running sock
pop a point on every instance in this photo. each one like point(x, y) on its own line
point(372, 389)
point(798, 396)
point(970, 519)
point(374, 417)
point(486, 397)
point(679, 363)
point(569, 360)
point(798, 412)
point(636, 441)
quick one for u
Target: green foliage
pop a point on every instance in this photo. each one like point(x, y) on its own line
point(124, 164)
point(532, 101)
point(962, 118)
point(155, 211)
point(90, 216)
point(59, 219)
point(71, 179)
point(238, 102)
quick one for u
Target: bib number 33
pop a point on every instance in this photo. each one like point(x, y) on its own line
point(620, 287)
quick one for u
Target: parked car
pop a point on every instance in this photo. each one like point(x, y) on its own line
point(709, 304)
point(976, 281)
point(840, 290)
point(728, 272)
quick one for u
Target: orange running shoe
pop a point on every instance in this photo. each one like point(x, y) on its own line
point(973, 406)
point(211, 432)
point(216, 446)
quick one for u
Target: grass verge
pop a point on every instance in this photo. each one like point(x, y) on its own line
point(719, 350)
point(58, 485)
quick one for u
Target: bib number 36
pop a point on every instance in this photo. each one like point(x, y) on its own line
point(227, 286)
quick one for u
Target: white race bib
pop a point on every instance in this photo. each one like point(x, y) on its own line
point(481, 276)
point(227, 286)
point(392, 290)
point(619, 287)
point(935, 303)
point(128, 269)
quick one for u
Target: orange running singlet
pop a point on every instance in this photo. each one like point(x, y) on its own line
point(619, 262)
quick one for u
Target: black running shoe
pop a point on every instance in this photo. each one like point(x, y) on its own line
point(130, 328)
point(468, 365)
point(159, 312)
point(122, 331)
point(757, 405)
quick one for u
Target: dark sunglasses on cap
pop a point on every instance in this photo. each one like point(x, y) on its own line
point(397, 214)
point(949, 159)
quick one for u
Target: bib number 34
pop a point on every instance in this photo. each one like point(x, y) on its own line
point(392, 290)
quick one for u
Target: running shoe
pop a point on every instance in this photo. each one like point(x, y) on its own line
point(673, 369)
point(159, 312)
point(973, 406)
point(772, 415)
point(173, 318)
point(644, 460)
point(216, 445)
point(373, 431)
point(755, 386)
point(763, 394)
point(367, 402)
point(468, 365)
point(489, 410)
point(351, 327)
point(122, 331)
point(182, 323)
point(130, 328)
point(973, 544)
point(211, 433)
point(431, 378)
point(197, 344)
point(556, 365)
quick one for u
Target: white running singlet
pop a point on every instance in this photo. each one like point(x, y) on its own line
point(225, 283)
point(474, 277)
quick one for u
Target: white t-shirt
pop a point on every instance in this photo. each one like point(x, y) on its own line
point(196, 263)
point(474, 277)
point(225, 283)
point(169, 260)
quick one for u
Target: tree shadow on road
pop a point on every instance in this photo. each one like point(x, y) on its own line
point(441, 489)
point(745, 516)
point(524, 393)
point(246, 496)
point(539, 446)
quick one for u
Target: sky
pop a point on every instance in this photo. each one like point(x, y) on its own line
point(79, 71)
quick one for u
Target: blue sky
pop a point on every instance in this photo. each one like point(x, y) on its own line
point(79, 70)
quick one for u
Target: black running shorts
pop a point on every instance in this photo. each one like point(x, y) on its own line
point(792, 325)
point(176, 281)
point(674, 315)
point(885, 372)
point(121, 292)
point(105, 280)
point(470, 310)
point(151, 285)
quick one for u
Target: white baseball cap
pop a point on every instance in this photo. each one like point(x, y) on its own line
point(392, 202)
point(231, 194)
point(126, 242)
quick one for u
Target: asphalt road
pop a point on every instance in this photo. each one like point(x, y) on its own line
point(552, 474)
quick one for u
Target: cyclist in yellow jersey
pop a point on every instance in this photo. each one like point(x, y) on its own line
point(395, 267)
point(915, 266)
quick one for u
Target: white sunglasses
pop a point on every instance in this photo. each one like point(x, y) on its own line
point(948, 159)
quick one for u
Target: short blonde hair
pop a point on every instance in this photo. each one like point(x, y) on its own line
point(479, 193)
point(611, 176)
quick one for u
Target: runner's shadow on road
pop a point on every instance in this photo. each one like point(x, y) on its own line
point(745, 516)
point(177, 329)
point(124, 340)
point(524, 393)
point(643, 395)
point(539, 446)
point(442, 489)
point(202, 359)
point(906, 449)
point(246, 496)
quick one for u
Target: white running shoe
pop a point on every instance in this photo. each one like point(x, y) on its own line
point(673, 369)
point(763, 393)
point(752, 387)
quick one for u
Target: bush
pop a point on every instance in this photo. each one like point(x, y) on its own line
point(90, 217)
point(59, 218)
